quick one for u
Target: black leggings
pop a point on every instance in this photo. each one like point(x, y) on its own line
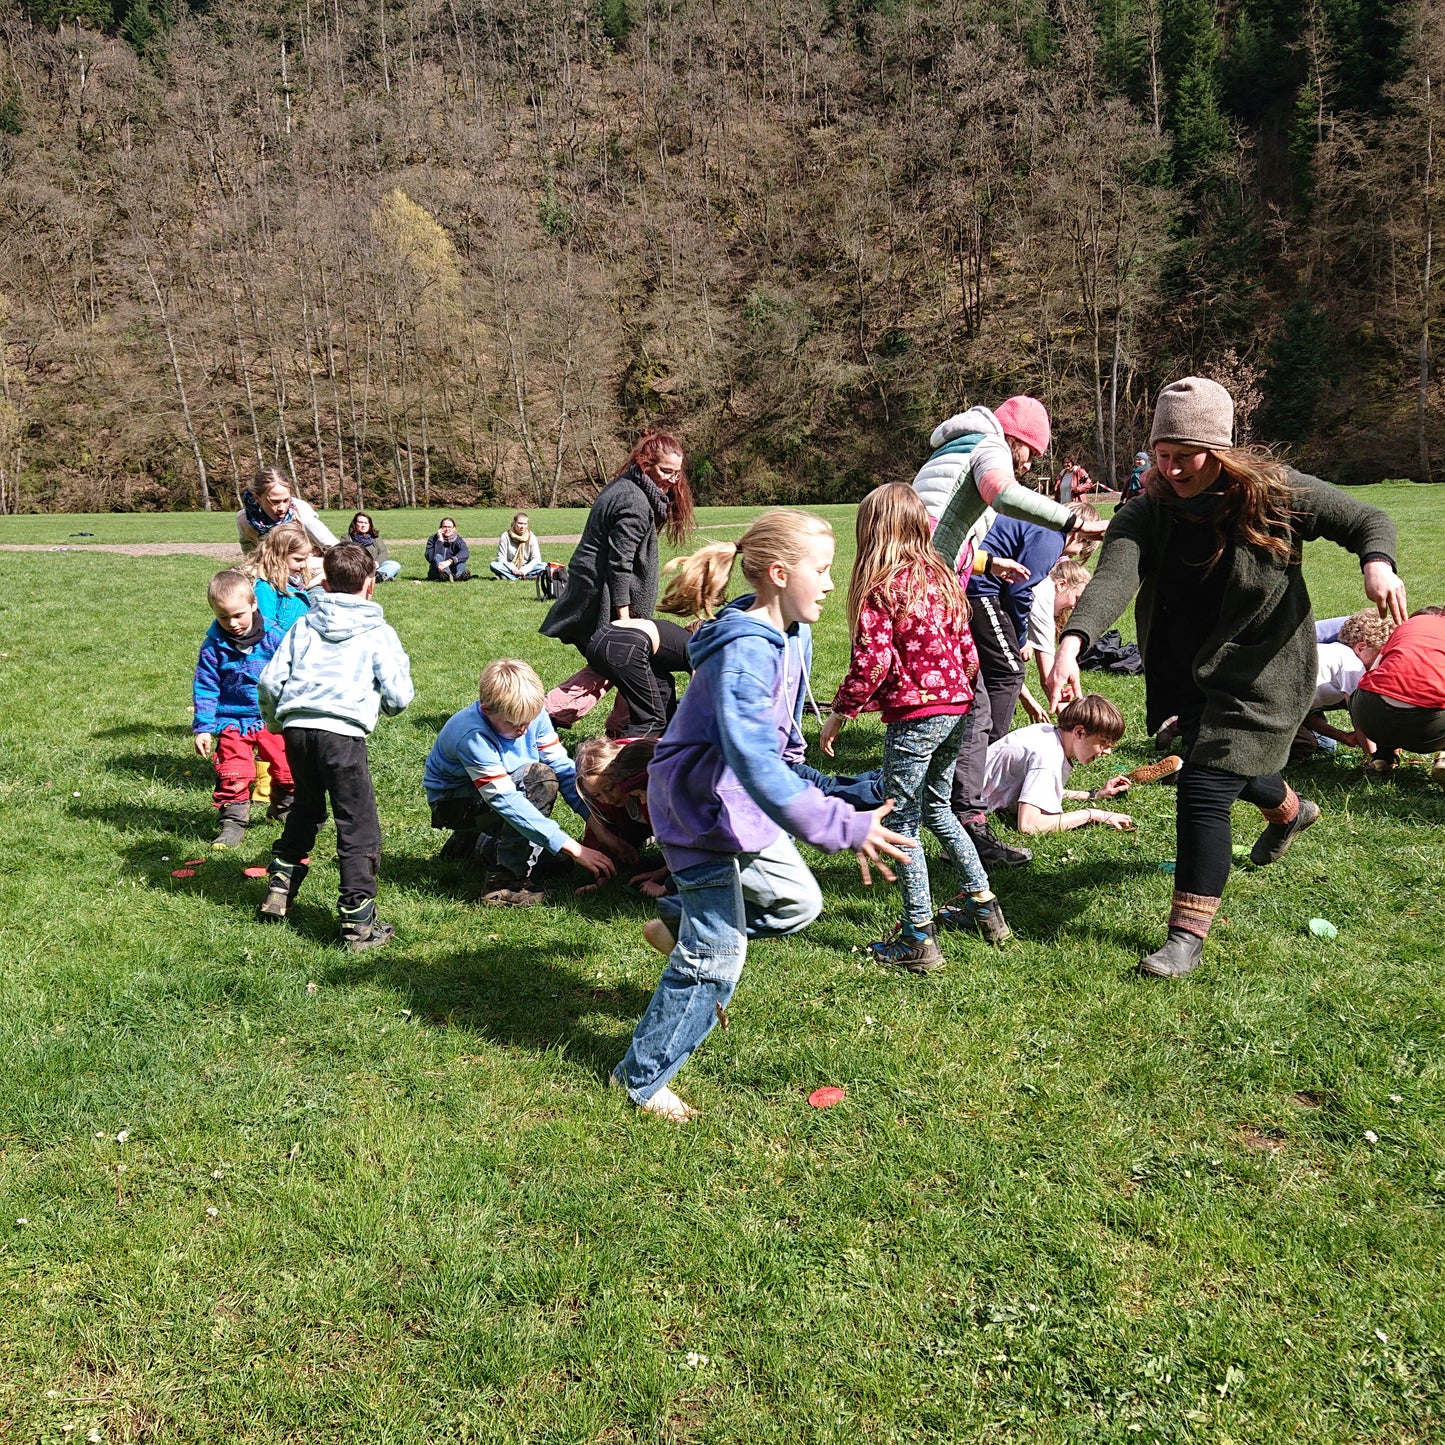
point(644, 678)
point(1204, 846)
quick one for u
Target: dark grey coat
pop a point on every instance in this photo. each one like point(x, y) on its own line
point(1257, 670)
point(615, 564)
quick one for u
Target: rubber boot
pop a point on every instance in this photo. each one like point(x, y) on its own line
point(261, 790)
point(361, 929)
point(283, 882)
point(234, 820)
point(280, 808)
point(1182, 953)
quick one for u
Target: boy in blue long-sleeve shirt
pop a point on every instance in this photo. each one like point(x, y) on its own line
point(335, 671)
point(493, 776)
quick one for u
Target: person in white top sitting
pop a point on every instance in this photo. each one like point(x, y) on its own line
point(1028, 769)
point(519, 553)
point(270, 502)
point(1340, 667)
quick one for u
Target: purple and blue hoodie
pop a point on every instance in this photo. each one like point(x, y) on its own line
point(718, 783)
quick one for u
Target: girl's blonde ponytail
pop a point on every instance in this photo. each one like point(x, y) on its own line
point(701, 585)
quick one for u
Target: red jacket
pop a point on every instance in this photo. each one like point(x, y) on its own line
point(907, 663)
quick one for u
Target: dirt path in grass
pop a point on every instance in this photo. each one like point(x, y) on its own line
point(222, 551)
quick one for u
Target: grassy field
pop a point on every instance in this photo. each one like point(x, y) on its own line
point(254, 1188)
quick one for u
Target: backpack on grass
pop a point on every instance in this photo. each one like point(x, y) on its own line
point(552, 583)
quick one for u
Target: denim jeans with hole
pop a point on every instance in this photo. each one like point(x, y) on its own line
point(719, 905)
point(918, 761)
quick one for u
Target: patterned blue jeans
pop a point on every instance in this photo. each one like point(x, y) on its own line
point(918, 759)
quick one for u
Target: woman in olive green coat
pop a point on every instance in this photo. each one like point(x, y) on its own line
point(1213, 549)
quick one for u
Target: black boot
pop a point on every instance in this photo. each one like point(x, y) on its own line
point(360, 927)
point(1273, 843)
point(280, 808)
point(234, 820)
point(1182, 953)
point(461, 844)
point(993, 852)
point(283, 882)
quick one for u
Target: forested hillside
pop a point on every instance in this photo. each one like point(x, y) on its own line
point(430, 250)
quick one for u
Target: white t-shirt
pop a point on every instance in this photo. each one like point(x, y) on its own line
point(1337, 674)
point(1041, 617)
point(1027, 766)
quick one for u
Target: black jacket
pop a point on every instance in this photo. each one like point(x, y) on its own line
point(615, 564)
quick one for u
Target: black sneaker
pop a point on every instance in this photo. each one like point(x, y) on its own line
point(993, 852)
point(1274, 842)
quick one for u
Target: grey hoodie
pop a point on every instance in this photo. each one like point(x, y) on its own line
point(336, 669)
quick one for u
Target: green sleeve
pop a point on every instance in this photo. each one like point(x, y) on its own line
point(1325, 511)
point(1116, 577)
point(966, 506)
point(1024, 505)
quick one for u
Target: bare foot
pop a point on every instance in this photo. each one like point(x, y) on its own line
point(660, 936)
point(666, 1105)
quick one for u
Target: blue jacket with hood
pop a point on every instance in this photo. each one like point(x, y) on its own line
point(718, 783)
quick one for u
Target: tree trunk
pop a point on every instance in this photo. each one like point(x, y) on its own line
point(181, 388)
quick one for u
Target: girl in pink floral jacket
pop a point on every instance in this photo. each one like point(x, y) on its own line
point(914, 659)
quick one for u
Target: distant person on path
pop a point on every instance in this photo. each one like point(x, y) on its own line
point(228, 725)
point(363, 532)
point(1134, 487)
point(613, 574)
point(271, 502)
point(519, 553)
point(1213, 548)
point(447, 554)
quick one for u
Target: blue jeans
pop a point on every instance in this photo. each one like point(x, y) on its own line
point(722, 903)
point(865, 792)
point(504, 574)
point(918, 759)
point(388, 571)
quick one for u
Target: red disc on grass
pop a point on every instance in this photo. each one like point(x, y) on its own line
point(253, 872)
point(183, 872)
point(194, 862)
point(825, 1098)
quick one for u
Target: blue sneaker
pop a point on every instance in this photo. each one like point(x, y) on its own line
point(917, 955)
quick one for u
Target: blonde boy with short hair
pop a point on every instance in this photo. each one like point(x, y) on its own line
point(493, 776)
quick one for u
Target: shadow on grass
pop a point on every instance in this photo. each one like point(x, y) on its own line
point(190, 826)
point(511, 994)
point(169, 767)
point(143, 730)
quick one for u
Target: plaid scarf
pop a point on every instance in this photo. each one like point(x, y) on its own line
point(258, 519)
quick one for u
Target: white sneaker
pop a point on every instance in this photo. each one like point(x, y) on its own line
point(666, 1105)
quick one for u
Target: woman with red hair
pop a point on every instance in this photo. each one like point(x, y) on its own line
point(612, 577)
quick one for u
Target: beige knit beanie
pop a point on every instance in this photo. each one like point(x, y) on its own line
point(1194, 410)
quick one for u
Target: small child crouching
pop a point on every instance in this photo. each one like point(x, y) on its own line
point(333, 673)
point(237, 646)
point(612, 777)
point(493, 776)
point(1027, 770)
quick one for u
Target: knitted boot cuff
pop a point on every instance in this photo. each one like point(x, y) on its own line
point(1193, 912)
point(1286, 811)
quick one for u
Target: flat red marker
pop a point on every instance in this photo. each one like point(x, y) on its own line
point(194, 862)
point(825, 1098)
point(183, 872)
point(253, 872)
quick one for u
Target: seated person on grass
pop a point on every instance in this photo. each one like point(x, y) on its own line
point(519, 553)
point(493, 776)
point(612, 778)
point(1027, 769)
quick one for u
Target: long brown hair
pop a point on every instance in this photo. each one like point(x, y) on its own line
point(1258, 502)
point(268, 560)
point(896, 545)
point(701, 585)
point(652, 446)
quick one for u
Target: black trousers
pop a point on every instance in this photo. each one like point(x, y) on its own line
point(996, 694)
point(330, 765)
point(1415, 729)
point(624, 656)
point(1204, 846)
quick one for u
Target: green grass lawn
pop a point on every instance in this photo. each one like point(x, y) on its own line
point(255, 1188)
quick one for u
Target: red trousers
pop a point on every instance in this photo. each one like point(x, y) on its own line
point(235, 760)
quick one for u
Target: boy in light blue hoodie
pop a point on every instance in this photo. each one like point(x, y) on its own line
point(334, 672)
point(724, 804)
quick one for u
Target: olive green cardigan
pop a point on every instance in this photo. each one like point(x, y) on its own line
point(1257, 668)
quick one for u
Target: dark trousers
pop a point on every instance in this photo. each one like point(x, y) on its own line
point(624, 656)
point(1204, 846)
point(330, 765)
point(996, 694)
point(470, 816)
point(1415, 729)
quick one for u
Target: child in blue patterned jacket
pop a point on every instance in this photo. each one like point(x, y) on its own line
point(228, 726)
point(333, 673)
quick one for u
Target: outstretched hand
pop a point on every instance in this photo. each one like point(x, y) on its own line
point(1064, 683)
point(882, 843)
point(1005, 569)
point(829, 735)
